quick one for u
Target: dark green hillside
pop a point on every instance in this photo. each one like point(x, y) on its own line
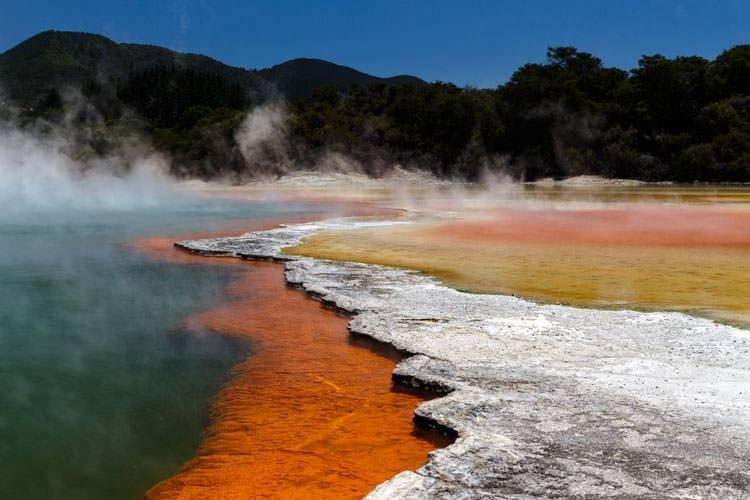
point(63, 59)
point(301, 77)
point(682, 119)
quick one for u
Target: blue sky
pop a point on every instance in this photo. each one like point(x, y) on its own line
point(473, 42)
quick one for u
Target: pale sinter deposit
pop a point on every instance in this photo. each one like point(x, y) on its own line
point(546, 400)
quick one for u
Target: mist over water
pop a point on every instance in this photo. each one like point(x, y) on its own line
point(104, 388)
point(38, 175)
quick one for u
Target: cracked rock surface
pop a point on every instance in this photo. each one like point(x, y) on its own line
point(546, 400)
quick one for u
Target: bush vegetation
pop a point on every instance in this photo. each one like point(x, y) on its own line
point(682, 119)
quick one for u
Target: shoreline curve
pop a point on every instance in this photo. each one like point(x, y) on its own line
point(545, 400)
point(293, 417)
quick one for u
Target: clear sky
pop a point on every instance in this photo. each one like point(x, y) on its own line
point(473, 42)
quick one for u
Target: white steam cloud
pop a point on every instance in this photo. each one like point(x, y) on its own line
point(263, 139)
point(37, 175)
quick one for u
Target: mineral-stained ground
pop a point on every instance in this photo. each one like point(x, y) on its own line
point(546, 400)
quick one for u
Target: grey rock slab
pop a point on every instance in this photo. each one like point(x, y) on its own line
point(546, 400)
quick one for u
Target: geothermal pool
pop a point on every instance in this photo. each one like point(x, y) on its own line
point(128, 367)
point(641, 247)
point(104, 387)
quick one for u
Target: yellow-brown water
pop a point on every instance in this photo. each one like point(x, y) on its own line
point(650, 248)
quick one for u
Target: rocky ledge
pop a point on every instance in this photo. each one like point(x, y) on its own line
point(545, 400)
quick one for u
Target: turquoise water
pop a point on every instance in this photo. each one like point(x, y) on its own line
point(102, 392)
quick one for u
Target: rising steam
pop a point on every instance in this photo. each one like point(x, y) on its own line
point(263, 139)
point(36, 174)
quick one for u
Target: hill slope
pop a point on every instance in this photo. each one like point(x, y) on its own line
point(58, 59)
point(300, 77)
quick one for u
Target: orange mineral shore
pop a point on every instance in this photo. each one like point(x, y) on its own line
point(311, 412)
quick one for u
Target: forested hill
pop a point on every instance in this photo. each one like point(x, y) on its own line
point(302, 77)
point(59, 59)
point(682, 119)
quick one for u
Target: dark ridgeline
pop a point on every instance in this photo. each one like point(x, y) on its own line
point(683, 119)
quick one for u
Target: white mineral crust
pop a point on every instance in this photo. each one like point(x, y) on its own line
point(546, 400)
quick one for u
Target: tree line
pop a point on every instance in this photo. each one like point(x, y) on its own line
point(683, 119)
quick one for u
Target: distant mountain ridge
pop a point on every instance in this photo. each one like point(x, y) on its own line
point(59, 59)
point(300, 77)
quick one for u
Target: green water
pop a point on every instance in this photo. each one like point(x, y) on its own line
point(102, 391)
